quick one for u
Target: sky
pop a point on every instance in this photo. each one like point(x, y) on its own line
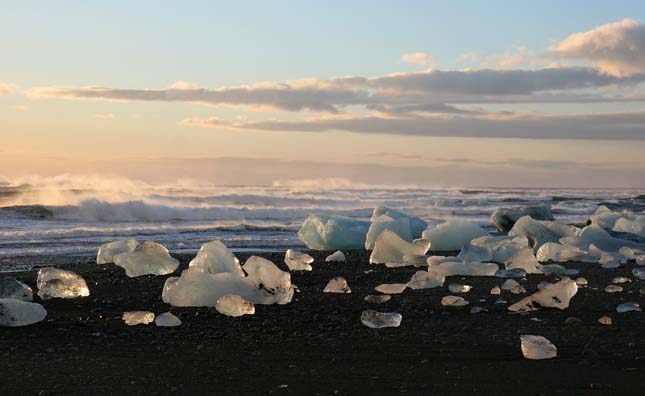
point(451, 93)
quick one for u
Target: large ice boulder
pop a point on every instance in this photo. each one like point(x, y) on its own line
point(12, 288)
point(407, 224)
point(505, 218)
point(540, 232)
point(264, 284)
point(635, 226)
point(214, 258)
point(596, 236)
point(109, 250)
point(605, 218)
point(15, 312)
point(452, 235)
point(148, 258)
point(400, 227)
point(389, 247)
point(59, 283)
point(553, 295)
point(559, 253)
point(525, 260)
point(325, 231)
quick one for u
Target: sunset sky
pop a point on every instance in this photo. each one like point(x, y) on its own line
point(474, 93)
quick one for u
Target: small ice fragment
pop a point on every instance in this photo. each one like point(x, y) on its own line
point(397, 265)
point(556, 295)
point(453, 301)
point(628, 307)
point(605, 320)
point(12, 288)
point(378, 320)
point(639, 273)
point(459, 288)
point(581, 282)
point(16, 313)
point(134, 318)
point(58, 283)
point(452, 268)
point(148, 258)
point(537, 347)
point(509, 284)
point(477, 309)
point(620, 279)
point(572, 320)
point(337, 285)
point(377, 298)
point(298, 261)
point(214, 258)
point(425, 280)
point(336, 257)
point(496, 291)
point(613, 289)
point(234, 305)
point(640, 260)
point(542, 284)
point(109, 250)
point(511, 273)
point(167, 319)
point(391, 288)
point(549, 269)
point(418, 260)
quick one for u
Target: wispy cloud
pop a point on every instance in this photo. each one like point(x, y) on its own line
point(20, 107)
point(7, 89)
point(420, 58)
point(105, 116)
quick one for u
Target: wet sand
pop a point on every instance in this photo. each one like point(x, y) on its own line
point(317, 344)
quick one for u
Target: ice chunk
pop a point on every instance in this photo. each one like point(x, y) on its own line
point(58, 283)
point(549, 269)
point(391, 288)
point(620, 279)
point(459, 288)
point(452, 235)
point(510, 284)
point(265, 284)
point(636, 226)
point(390, 247)
point(452, 268)
point(298, 261)
point(628, 307)
point(581, 282)
point(505, 218)
point(425, 280)
point(511, 273)
point(234, 305)
point(148, 258)
point(552, 251)
point(134, 318)
point(606, 219)
point(613, 289)
point(377, 298)
point(525, 260)
point(14, 312)
point(605, 320)
point(324, 231)
point(596, 236)
point(12, 288)
point(417, 225)
point(556, 295)
point(640, 260)
point(417, 260)
point(475, 253)
point(167, 319)
point(537, 347)
point(400, 227)
point(639, 273)
point(476, 310)
point(214, 258)
point(541, 232)
point(337, 256)
point(453, 301)
point(109, 250)
point(496, 291)
point(378, 320)
point(337, 285)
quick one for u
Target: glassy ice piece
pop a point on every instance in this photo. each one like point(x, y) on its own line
point(459, 288)
point(477, 309)
point(549, 269)
point(58, 283)
point(475, 253)
point(417, 225)
point(453, 301)
point(628, 307)
point(452, 268)
point(452, 235)
point(635, 226)
point(511, 273)
point(337, 256)
point(639, 273)
point(214, 258)
point(556, 295)
point(417, 260)
point(14, 312)
point(325, 231)
point(337, 285)
point(167, 319)
point(397, 265)
point(640, 260)
point(425, 280)
point(509, 284)
point(148, 258)
point(390, 247)
point(601, 239)
point(581, 282)
point(525, 260)
point(505, 218)
point(605, 219)
point(620, 279)
point(298, 261)
point(400, 227)
point(378, 320)
point(377, 298)
point(134, 318)
point(537, 347)
point(613, 289)
point(552, 251)
point(12, 288)
point(605, 320)
point(391, 288)
point(496, 291)
point(541, 232)
point(109, 250)
point(234, 305)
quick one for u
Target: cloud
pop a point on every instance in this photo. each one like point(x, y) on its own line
point(106, 116)
point(7, 89)
point(616, 48)
point(420, 58)
point(20, 107)
point(619, 125)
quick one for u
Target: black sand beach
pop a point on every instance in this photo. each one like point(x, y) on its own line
point(317, 344)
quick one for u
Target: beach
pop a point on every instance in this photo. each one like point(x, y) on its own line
point(317, 344)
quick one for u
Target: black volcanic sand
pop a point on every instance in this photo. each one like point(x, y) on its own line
point(317, 344)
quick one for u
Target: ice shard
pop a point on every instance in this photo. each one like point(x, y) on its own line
point(16, 313)
point(12, 288)
point(214, 258)
point(108, 251)
point(234, 305)
point(58, 283)
point(390, 247)
point(537, 347)
point(298, 261)
point(134, 318)
point(556, 295)
point(378, 320)
point(148, 258)
point(337, 285)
